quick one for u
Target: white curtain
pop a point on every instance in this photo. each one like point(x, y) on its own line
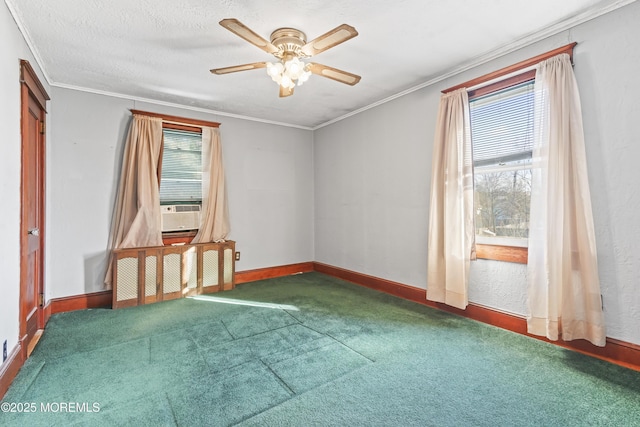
point(214, 221)
point(563, 285)
point(451, 243)
point(136, 219)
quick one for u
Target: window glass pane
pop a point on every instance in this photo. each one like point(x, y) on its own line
point(502, 126)
point(502, 138)
point(181, 177)
point(502, 203)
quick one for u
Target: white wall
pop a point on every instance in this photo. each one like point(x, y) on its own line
point(372, 183)
point(607, 69)
point(370, 174)
point(269, 173)
point(372, 177)
point(12, 49)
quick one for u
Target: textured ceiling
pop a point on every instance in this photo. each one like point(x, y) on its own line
point(162, 50)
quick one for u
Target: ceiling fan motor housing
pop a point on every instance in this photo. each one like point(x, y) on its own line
point(288, 41)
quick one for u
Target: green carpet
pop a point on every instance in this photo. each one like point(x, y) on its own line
point(308, 350)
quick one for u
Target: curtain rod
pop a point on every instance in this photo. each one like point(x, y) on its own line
point(177, 120)
point(521, 66)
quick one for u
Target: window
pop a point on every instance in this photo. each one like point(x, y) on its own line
point(502, 139)
point(181, 170)
point(503, 172)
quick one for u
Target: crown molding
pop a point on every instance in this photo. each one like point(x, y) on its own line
point(175, 105)
point(587, 15)
point(27, 39)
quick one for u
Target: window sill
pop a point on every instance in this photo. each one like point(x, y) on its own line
point(502, 253)
point(178, 238)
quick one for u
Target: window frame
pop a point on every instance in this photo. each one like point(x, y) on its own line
point(516, 253)
point(497, 80)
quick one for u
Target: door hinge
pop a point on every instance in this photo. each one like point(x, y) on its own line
point(42, 128)
point(41, 300)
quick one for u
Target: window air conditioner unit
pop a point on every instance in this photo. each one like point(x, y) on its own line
point(180, 217)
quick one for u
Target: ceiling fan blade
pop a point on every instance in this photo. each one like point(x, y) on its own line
point(236, 68)
point(328, 40)
point(334, 74)
point(285, 91)
point(239, 29)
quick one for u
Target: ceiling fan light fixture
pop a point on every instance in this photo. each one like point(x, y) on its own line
point(294, 68)
point(274, 70)
point(304, 77)
point(288, 73)
point(287, 82)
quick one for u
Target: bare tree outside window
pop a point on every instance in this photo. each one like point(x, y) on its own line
point(502, 203)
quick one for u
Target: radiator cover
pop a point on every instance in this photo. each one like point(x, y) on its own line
point(152, 274)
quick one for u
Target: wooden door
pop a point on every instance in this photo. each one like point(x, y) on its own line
point(33, 114)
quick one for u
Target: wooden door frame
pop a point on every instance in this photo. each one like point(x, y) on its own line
point(31, 87)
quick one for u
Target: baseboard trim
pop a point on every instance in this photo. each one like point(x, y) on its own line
point(398, 289)
point(10, 368)
point(616, 351)
point(104, 299)
point(272, 272)
point(101, 299)
point(46, 313)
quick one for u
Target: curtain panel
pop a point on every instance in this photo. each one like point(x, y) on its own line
point(214, 221)
point(451, 241)
point(137, 218)
point(563, 286)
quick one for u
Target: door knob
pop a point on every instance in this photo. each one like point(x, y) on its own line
point(34, 231)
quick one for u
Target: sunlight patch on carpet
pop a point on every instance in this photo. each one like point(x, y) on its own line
point(243, 302)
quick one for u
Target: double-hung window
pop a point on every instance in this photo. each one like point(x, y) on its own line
point(502, 139)
point(180, 174)
point(501, 107)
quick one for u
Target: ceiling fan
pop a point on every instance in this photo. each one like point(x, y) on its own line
point(289, 46)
